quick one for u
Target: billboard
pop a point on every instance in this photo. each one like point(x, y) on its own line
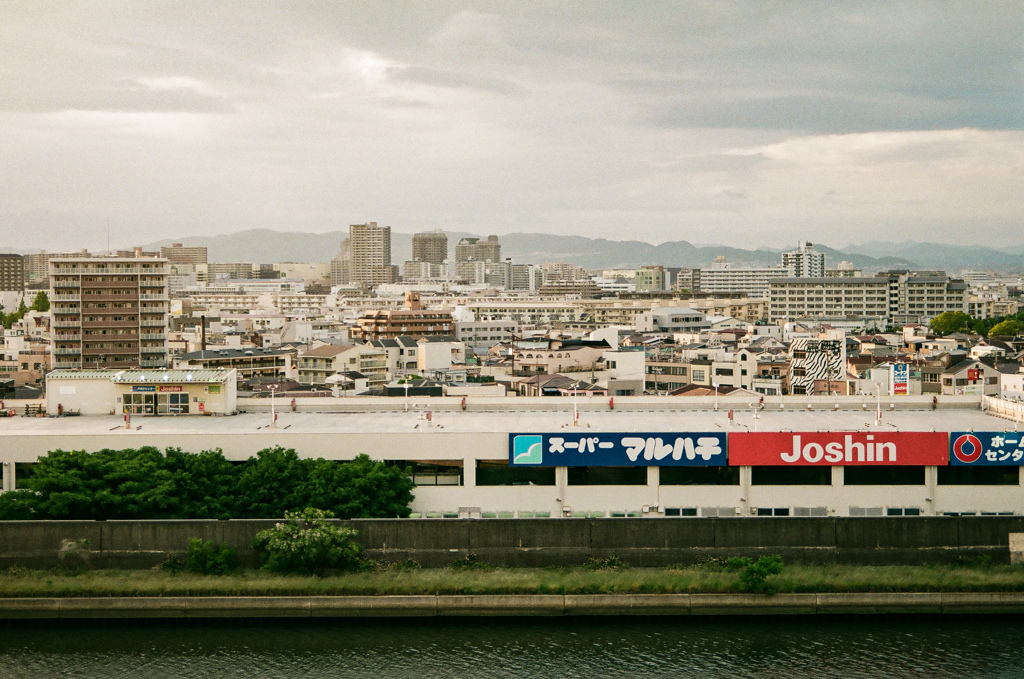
point(838, 448)
point(900, 379)
point(986, 448)
point(602, 449)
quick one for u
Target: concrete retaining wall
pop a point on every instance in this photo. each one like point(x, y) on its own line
point(550, 605)
point(536, 542)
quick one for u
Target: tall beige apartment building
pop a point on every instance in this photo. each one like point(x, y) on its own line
point(370, 254)
point(431, 246)
point(179, 254)
point(476, 250)
point(109, 312)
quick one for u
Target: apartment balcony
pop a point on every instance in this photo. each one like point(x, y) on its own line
point(109, 351)
point(68, 337)
point(65, 311)
point(147, 363)
point(153, 336)
point(67, 298)
point(66, 284)
point(66, 363)
point(65, 351)
point(110, 298)
point(109, 284)
point(153, 323)
point(156, 297)
point(110, 324)
point(160, 349)
point(127, 337)
point(67, 324)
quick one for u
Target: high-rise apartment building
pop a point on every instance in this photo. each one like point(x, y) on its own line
point(370, 254)
point(109, 312)
point(804, 262)
point(476, 250)
point(178, 254)
point(37, 269)
point(341, 265)
point(431, 246)
point(12, 272)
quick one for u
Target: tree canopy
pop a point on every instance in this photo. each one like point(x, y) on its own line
point(147, 484)
point(41, 302)
point(949, 322)
point(1007, 328)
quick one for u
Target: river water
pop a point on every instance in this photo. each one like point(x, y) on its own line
point(760, 647)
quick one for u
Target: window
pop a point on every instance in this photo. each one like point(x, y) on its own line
point(699, 476)
point(791, 476)
point(432, 472)
point(500, 473)
point(883, 476)
point(773, 511)
point(607, 476)
point(979, 476)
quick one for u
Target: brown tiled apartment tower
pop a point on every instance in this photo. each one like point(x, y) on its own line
point(109, 312)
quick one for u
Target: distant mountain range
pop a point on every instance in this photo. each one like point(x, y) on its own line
point(263, 245)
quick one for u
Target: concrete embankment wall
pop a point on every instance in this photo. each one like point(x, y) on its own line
point(511, 605)
point(536, 542)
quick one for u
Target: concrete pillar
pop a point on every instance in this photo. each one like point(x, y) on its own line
point(8, 472)
point(931, 480)
point(562, 483)
point(746, 501)
point(469, 472)
point(1016, 548)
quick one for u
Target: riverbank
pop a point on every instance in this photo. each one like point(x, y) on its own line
point(396, 581)
point(512, 605)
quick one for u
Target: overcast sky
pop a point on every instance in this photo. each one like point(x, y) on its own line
point(749, 123)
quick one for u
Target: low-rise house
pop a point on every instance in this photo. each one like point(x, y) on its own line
point(316, 365)
point(970, 376)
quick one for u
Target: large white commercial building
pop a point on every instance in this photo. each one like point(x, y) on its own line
point(641, 456)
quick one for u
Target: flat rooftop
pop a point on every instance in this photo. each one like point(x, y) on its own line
point(447, 421)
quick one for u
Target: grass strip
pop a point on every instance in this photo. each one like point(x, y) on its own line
point(691, 579)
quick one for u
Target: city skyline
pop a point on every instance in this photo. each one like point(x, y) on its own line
point(728, 123)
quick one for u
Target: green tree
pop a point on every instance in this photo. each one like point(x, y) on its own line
point(360, 489)
point(1007, 328)
point(271, 484)
point(306, 543)
point(41, 302)
point(949, 322)
point(107, 484)
point(19, 505)
point(204, 484)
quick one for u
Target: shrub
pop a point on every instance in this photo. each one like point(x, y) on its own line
point(974, 561)
point(306, 543)
point(613, 562)
point(74, 553)
point(469, 561)
point(208, 558)
point(754, 574)
point(172, 565)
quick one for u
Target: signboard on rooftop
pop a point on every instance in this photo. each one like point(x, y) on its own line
point(830, 449)
point(602, 449)
point(900, 379)
point(986, 448)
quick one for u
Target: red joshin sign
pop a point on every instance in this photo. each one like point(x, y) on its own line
point(839, 448)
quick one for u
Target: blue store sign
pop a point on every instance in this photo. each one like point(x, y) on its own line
point(986, 448)
point(592, 449)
